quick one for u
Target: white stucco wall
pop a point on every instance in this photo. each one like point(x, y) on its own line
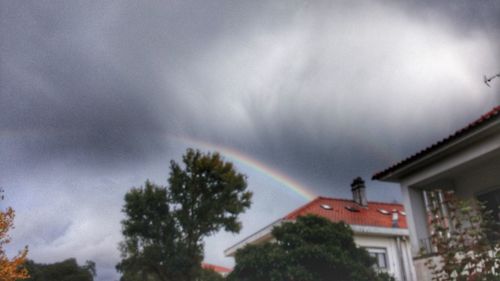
point(467, 180)
point(393, 258)
point(470, 167)
point(416, 219)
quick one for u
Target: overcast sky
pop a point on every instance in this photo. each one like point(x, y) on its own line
point(98, 96)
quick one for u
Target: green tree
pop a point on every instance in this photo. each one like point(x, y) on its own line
point(152, 249)
point(209, 275)
point(312, 248)
point(165, 226)
point(67, 270)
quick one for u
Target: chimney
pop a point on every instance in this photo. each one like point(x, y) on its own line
point(395, 218)
point(359, 192)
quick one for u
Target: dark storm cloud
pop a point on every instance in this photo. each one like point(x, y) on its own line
point(60, 94)
point(103, 79)
point(323, 91)
point(94, 79)
point(467, 15)
point(332, 91)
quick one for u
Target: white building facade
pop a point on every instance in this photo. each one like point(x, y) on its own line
point(466, 162)
point(380, 228)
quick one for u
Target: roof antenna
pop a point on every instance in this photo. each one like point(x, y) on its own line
point(488, 80)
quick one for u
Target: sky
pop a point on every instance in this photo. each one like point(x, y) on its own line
point(303, 96)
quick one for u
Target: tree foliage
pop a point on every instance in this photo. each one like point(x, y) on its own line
point(10, 269)
point(151, 250)
point(466, 239)
point(209, 275)
point(312, 248)
point(67, 270)
point(165, 226)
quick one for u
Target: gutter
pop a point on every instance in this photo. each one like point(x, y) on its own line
point(380, 231)
point(261, 233)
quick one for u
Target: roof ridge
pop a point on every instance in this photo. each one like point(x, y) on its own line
point(299, 209)
point(350, 200)
point(333, 198)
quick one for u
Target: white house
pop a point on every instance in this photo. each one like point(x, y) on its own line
point(466, 162)
point(378, 227)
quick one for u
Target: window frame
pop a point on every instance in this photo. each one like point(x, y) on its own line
point(379, 251)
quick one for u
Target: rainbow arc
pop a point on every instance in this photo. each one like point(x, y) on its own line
point(242, 158)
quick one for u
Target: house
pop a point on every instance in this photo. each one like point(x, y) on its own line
point(380, 228)
point(466, 163)
point(224, 271)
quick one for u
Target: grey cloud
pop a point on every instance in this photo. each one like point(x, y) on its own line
point(58, 97)
point(93, 79)
point(482, 15)
point(90, 93)
point(326, 96)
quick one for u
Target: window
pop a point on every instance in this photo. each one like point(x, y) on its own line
point(380, 255)
point(436, 203)
point(491, 200)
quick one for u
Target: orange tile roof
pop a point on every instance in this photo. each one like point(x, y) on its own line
point(367, 216)
point(490, 116)
point(216, 268)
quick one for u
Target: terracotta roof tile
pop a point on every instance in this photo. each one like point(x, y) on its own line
point(368, 216)
point(216, 268)
point(483, 120)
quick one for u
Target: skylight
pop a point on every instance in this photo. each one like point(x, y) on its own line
point(326, 207)
point(352, 208)
point(384, 212)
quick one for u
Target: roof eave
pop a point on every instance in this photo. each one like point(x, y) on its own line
point(256, 236)
point(399, 173)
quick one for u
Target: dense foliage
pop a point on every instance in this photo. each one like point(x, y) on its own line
point(151, 249)
point(209, 275)
point(165, 226)
point(10, 268)
point(310, 249)
point(67, 270)
point(466, 239)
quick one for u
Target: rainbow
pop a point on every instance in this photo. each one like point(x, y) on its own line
point(238, 156)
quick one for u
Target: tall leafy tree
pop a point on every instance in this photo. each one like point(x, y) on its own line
point(310, 249)
point(10, 268)
point(152, 249)
point(165, 226)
